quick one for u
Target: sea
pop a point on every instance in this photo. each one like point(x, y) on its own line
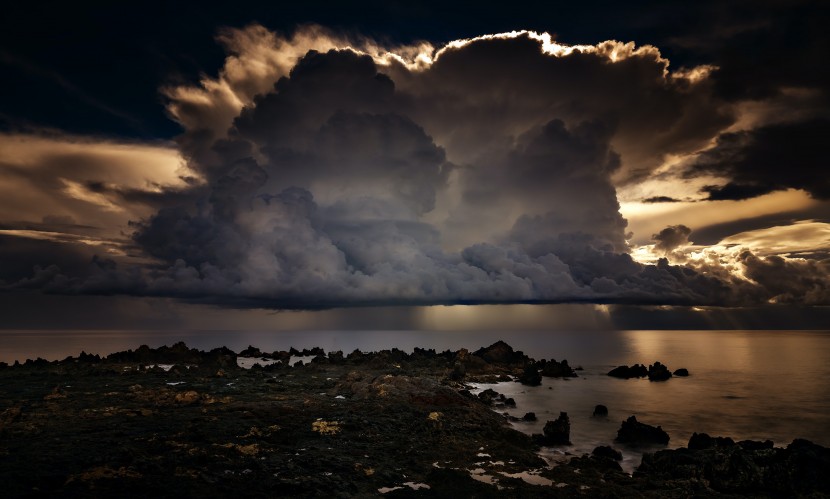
point(756, 385)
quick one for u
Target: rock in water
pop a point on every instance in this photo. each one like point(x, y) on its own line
point(531, 376)
point(600, 410)
point(553, 369)
point(558, 432)
point(530, 416)
point(634, 433)
point(625, 372)
point(682, 372)
point(658, 372)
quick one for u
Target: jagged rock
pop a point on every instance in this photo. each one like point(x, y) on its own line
point(625, 372)
point(553, 369)
point(635, 433)
point(500, 353)
point(600, 410)
point(800, 469)
point(489, 396)
point(558, 431)
point(682, 372)
point(530, 376)
point(658, 372)
point(607, 452)
point(701, 441)
point(250, 352)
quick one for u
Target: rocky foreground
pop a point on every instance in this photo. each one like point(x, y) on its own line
point(177, 421)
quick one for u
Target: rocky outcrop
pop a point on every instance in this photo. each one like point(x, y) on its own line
point(625, 372)
point(600, 411)
point(530, 376)
point(658, 372)
point(635, 434)
point(501, 353)
point(746, 468)
point(553, 369)
point(556, 432)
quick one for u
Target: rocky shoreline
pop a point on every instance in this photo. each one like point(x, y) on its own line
point(178, 421)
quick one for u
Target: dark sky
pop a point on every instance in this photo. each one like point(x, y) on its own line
point(199, 155)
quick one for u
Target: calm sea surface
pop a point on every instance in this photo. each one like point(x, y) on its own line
point(744, 384)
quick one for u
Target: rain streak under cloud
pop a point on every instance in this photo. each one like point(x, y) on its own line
point(318, 170)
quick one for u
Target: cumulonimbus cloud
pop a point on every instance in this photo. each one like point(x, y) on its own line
point(335, 173)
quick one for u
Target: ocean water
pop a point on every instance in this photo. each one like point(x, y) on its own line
point(745, 384)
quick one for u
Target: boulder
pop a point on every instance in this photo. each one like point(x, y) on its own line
point(600, 410)
point(553, 369)
point(530, 416)
point(558, 431)
point(625, 372)
point(530, 376)
point(682, 372)
point(635, 433)
point(500, 353)
point(658, 372)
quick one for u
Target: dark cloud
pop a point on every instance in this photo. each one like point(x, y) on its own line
point(766, 159)
point(660, 199)
point(488, 176)
point(790, 280)
point(670, 238)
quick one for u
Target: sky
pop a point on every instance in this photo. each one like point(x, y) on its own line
point(406, 165)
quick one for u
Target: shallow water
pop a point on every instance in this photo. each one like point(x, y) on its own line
point(744, 384)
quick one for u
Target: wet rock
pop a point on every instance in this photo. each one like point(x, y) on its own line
point(553, 369)
point(600, 410)
point(558, 431)
point(682, 372)
point(529, 416)
point(509, 402)
point(607, 452)
point(701, 441)
point(658, 372)
point(530, 376)
point(489, 396)
point(635, 433)
point(626, 372)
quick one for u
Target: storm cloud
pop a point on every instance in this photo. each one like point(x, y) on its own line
point(331, 172)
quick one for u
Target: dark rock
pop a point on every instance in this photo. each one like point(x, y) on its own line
point(682, 372)
point(608, 452)
point(500, 353)
point(658, 372)
point(558, 432)
point(489, 396)
point(625, 372)
point(509, 402)
point(553, 369)
point(529, 416)
point(800, 469)
point(634, 433)
point(701, 441)
point(756, 445)
point(250, 352)
point(530, 376)
point(600, 410)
